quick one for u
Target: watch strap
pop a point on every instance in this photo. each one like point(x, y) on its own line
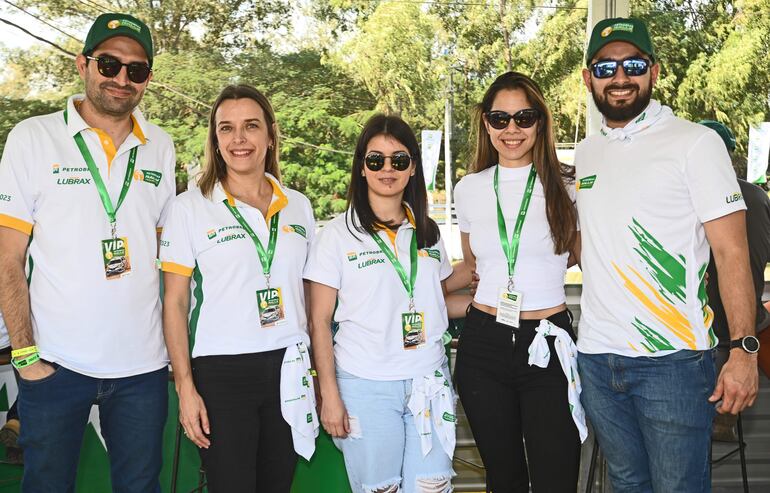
point(740, 343)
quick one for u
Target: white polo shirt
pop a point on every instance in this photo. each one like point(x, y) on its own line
point(371, 299)
point(539, 272)
point(203, 240)
point(642, 204)
point(86, 323)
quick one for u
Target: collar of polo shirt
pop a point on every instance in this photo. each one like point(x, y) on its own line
point(76, 124)
point(278, 202)
point(392, 234)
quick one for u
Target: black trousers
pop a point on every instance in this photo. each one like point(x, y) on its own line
point(251, 445)
point(512, 406)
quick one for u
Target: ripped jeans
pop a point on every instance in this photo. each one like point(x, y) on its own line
point(383, 453)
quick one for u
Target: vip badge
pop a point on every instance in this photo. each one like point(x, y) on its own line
point(115, 257)
point(270, 305)
point(413, 329)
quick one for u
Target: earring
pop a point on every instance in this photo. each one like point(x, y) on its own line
point(270, 146)
point(218, 151)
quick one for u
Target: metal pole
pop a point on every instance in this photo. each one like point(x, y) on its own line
point(448, 163)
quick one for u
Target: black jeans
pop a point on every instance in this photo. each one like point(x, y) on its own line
point(251, 445)
point(510, 404)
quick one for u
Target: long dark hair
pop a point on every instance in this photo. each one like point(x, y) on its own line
point(560, 211)
point(414, 193)
point(214, 167)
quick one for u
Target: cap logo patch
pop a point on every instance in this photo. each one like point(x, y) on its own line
point(623, 26)
point(116, 23)
point(607, 31)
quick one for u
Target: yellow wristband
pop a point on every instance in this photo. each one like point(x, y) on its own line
point(16, 353)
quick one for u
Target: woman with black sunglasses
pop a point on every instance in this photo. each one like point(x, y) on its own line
point(516, 355)
point(385, 385)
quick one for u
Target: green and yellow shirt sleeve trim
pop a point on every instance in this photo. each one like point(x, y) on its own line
point(174, 268)
point(15, 223)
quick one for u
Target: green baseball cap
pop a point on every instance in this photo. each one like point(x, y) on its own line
point(723, 131)
point(629, 29)
point(108, 26)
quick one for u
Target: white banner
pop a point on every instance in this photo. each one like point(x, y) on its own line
point(759, 148)
point(431, 149)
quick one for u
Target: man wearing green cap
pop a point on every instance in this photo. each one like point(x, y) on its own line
point(653, 193)
point(83, 192)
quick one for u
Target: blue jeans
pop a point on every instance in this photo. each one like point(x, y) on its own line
point(132, 413)
point(652, 418)
point(387, 450)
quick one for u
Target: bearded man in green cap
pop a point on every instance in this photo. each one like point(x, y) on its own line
point(654, 192)
point(83, 193)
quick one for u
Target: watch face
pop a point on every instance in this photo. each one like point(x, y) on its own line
point(750, 344)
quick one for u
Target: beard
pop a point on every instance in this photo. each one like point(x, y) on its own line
point(626, 111)
point(108, 105)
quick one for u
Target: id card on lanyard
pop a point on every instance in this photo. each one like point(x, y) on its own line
point(509, 300)
point(115, 256)
point(269, 300)
point(413, 329)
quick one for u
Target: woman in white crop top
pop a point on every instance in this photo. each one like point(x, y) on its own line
point(518, 225)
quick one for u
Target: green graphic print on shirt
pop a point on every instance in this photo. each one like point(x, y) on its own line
point(663, 294)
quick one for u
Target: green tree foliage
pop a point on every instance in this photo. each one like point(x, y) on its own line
point(393, 57)
point(225, 23)
point(554, 58)
point(482, 40)
point(180, 100)
point(350, 58)
point(321, 111)
point(12, 111)
point(726, 82)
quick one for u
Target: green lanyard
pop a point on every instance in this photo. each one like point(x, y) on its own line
point(109, 208)
point(265, 257)
point(511, 249)
point(407, 282)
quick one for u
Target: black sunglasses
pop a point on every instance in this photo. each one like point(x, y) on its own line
point(400, 160)
point(523, 118)
point(633, 67)
point(110, 67)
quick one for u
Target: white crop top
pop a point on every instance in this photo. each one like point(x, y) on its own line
point(539, 273)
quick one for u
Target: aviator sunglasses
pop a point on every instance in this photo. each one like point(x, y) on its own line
point(400, 160)
point(633, 67)
point(523, 118)
point(110, 67)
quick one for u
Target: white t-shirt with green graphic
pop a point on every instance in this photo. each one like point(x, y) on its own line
point(642, 202)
